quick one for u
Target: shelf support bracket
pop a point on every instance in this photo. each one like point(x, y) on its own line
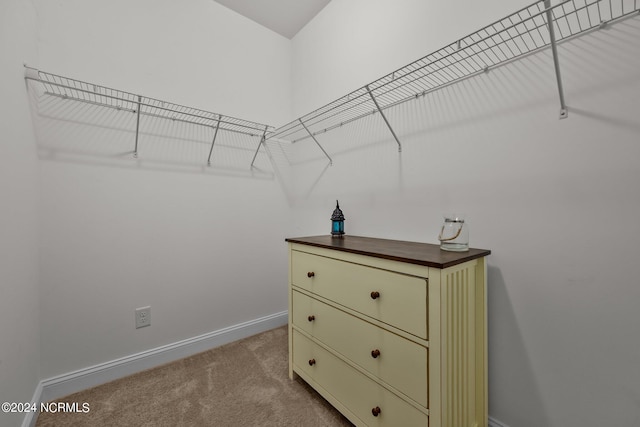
point(262, 139)
point(135, 150)
point(373, 98)
point(554, 50)
point(215, 134)
point(316, 141)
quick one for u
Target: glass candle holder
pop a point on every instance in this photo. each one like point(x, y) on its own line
point(454, 235)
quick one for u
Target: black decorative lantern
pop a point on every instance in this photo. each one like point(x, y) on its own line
point(337, 222)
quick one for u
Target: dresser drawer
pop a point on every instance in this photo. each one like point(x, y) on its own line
point(396, 299)
point(398, 362)
point(354, 390)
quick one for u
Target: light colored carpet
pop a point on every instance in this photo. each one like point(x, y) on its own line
point(244, 383)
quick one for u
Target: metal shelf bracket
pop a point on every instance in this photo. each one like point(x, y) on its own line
point(564, 113)
point(215, 134)
point(135, 150)
point(262, 139)
point(373, 98)
point(316, 141)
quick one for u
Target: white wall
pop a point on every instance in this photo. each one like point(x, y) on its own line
point(19, 309)
point(203, 246)
point(555, 200)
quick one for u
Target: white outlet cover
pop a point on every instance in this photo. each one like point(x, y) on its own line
point(143, 317)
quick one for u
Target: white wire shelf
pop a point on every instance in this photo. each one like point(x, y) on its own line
point(521, 33)
point(90, 93)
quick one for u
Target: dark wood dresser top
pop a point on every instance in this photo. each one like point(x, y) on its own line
point(410, 252)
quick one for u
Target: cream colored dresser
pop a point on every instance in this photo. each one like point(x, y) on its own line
point(391, 333)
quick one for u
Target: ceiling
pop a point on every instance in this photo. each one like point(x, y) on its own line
point(285, 17)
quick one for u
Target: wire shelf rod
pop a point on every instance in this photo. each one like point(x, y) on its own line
point(460, 60)
point(526, 35)
point(346, 103)
point(358, 117)
point(498, 32)
point(504, 40)
point(320, 112)
point(358, 111)
point(331, 127)
point(441, 58)
point(485, 29)
point(538, 47)
point(520, 33)
point(357, 104)
point(88, 92)
point(439, 83)
point(536, 27)
point(147, 114)
point(99, 104)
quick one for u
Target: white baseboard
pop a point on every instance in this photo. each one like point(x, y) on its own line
point(29, 419)
point(495, 423)
point(72, 382)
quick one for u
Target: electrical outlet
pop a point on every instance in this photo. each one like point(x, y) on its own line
point(143, 317)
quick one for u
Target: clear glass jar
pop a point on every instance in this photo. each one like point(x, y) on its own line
point(454, 235)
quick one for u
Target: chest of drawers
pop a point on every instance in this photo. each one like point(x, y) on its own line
point(391, 333)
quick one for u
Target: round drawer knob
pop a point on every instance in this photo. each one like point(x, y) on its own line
point(375, 353)
point(376, 411)
point(311, 318)
point(375, 295)
point(311, 274)
point(312, 362)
